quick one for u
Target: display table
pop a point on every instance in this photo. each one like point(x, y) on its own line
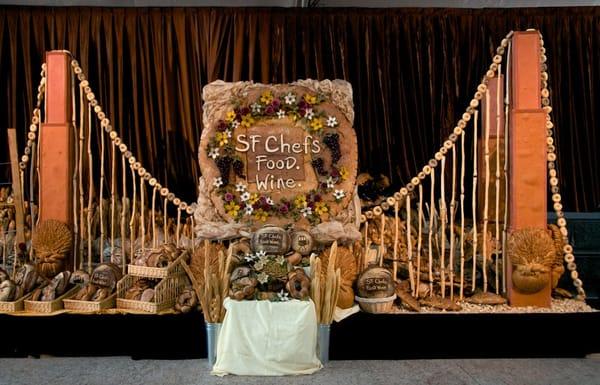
point(268, 339)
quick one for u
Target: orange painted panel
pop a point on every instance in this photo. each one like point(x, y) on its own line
point(58, 90)
point(526, 71)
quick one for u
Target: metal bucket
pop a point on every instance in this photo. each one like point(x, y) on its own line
point(323, 342)
point(212, 337)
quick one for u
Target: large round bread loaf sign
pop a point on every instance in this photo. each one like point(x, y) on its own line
point(279, 153)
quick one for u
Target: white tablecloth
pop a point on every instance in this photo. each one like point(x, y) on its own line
point(263, 338)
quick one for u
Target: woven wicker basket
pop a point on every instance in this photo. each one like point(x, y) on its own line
point(376, 305)
point(13, 306)
point(90, 306)
point(49, 306)
point(158, 272)
point(165, 293)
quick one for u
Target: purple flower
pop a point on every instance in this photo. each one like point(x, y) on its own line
point(244, 111)
point(302, 112)
point(302, 105)
point(317, 198)
point(335, 172)
point(228, 197)
point(276, 103)
point(269, 110)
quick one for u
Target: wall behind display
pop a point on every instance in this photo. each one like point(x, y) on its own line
point(413, 73)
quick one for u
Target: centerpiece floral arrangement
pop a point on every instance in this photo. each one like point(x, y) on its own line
point(241, 204)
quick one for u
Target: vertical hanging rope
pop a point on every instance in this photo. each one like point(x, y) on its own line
point(462, 213)
point(452, 216)
point(443, 225)
point(419, 236)
point(431, 214)
point(178, 225)
point(90, 188)
point(142, 214)
point(34, 162)
point(486, 131)
point(474, 203)
point(193, 235)
point(132, 219)
point(123, 213)
point(366, 238)
point(382, 248)
point(505, 171)
point(411, 274)
point(101, 194)
point(113, 192)
point(75, 249)
point(154, 243)
point(396, 240)
point(497, 218)
point(165, 227)
point(80, 172)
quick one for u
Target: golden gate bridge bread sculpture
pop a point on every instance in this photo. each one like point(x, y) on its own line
point(278, 195)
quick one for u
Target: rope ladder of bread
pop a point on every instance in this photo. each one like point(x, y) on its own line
point(435, 232)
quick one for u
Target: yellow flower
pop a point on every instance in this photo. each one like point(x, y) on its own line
point(261, 215)
point(222, 138)
point(310, 99)
point(253, 198)
point(321, 208)
point(230, 116)
point(316, 124)
point(300, 201)
point(343, 173)
point(266, 97)
point(247, 120)
point(232, 209)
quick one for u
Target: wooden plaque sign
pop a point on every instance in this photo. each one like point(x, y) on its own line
point(278, 154)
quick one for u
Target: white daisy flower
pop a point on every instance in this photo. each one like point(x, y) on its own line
point(331, 121)
point(283, 296)
point(239, 187)
point(248, 210)
point(245, 196)
point(263, 258)
point(306, 211)
point(281, 260)
point(249, 258)
point(290, 98)
point(228, 132)
point(263, 278)
point(309, 114)
point(339, 194)
point(214, 152)
point(270, 201)
point(261, 254)
point(280, 114)
point(255, 108)
point(218, 182)
point(235, 124)
point(330, 182)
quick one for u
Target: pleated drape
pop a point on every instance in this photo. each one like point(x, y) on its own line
point(413, 72)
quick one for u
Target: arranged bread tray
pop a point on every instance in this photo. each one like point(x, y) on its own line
point(165, 293)
point(90, 306)
point(49, 306)
point(13, 306)
point(173, 267)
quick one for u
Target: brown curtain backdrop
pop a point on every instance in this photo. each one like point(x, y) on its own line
point(413, 73)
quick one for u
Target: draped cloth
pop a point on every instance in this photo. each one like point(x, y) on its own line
point(263, 338)
point(413, 72)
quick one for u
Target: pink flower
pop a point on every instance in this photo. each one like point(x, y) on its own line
point(276, 103)
point(228, 197)
point(269, 110)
